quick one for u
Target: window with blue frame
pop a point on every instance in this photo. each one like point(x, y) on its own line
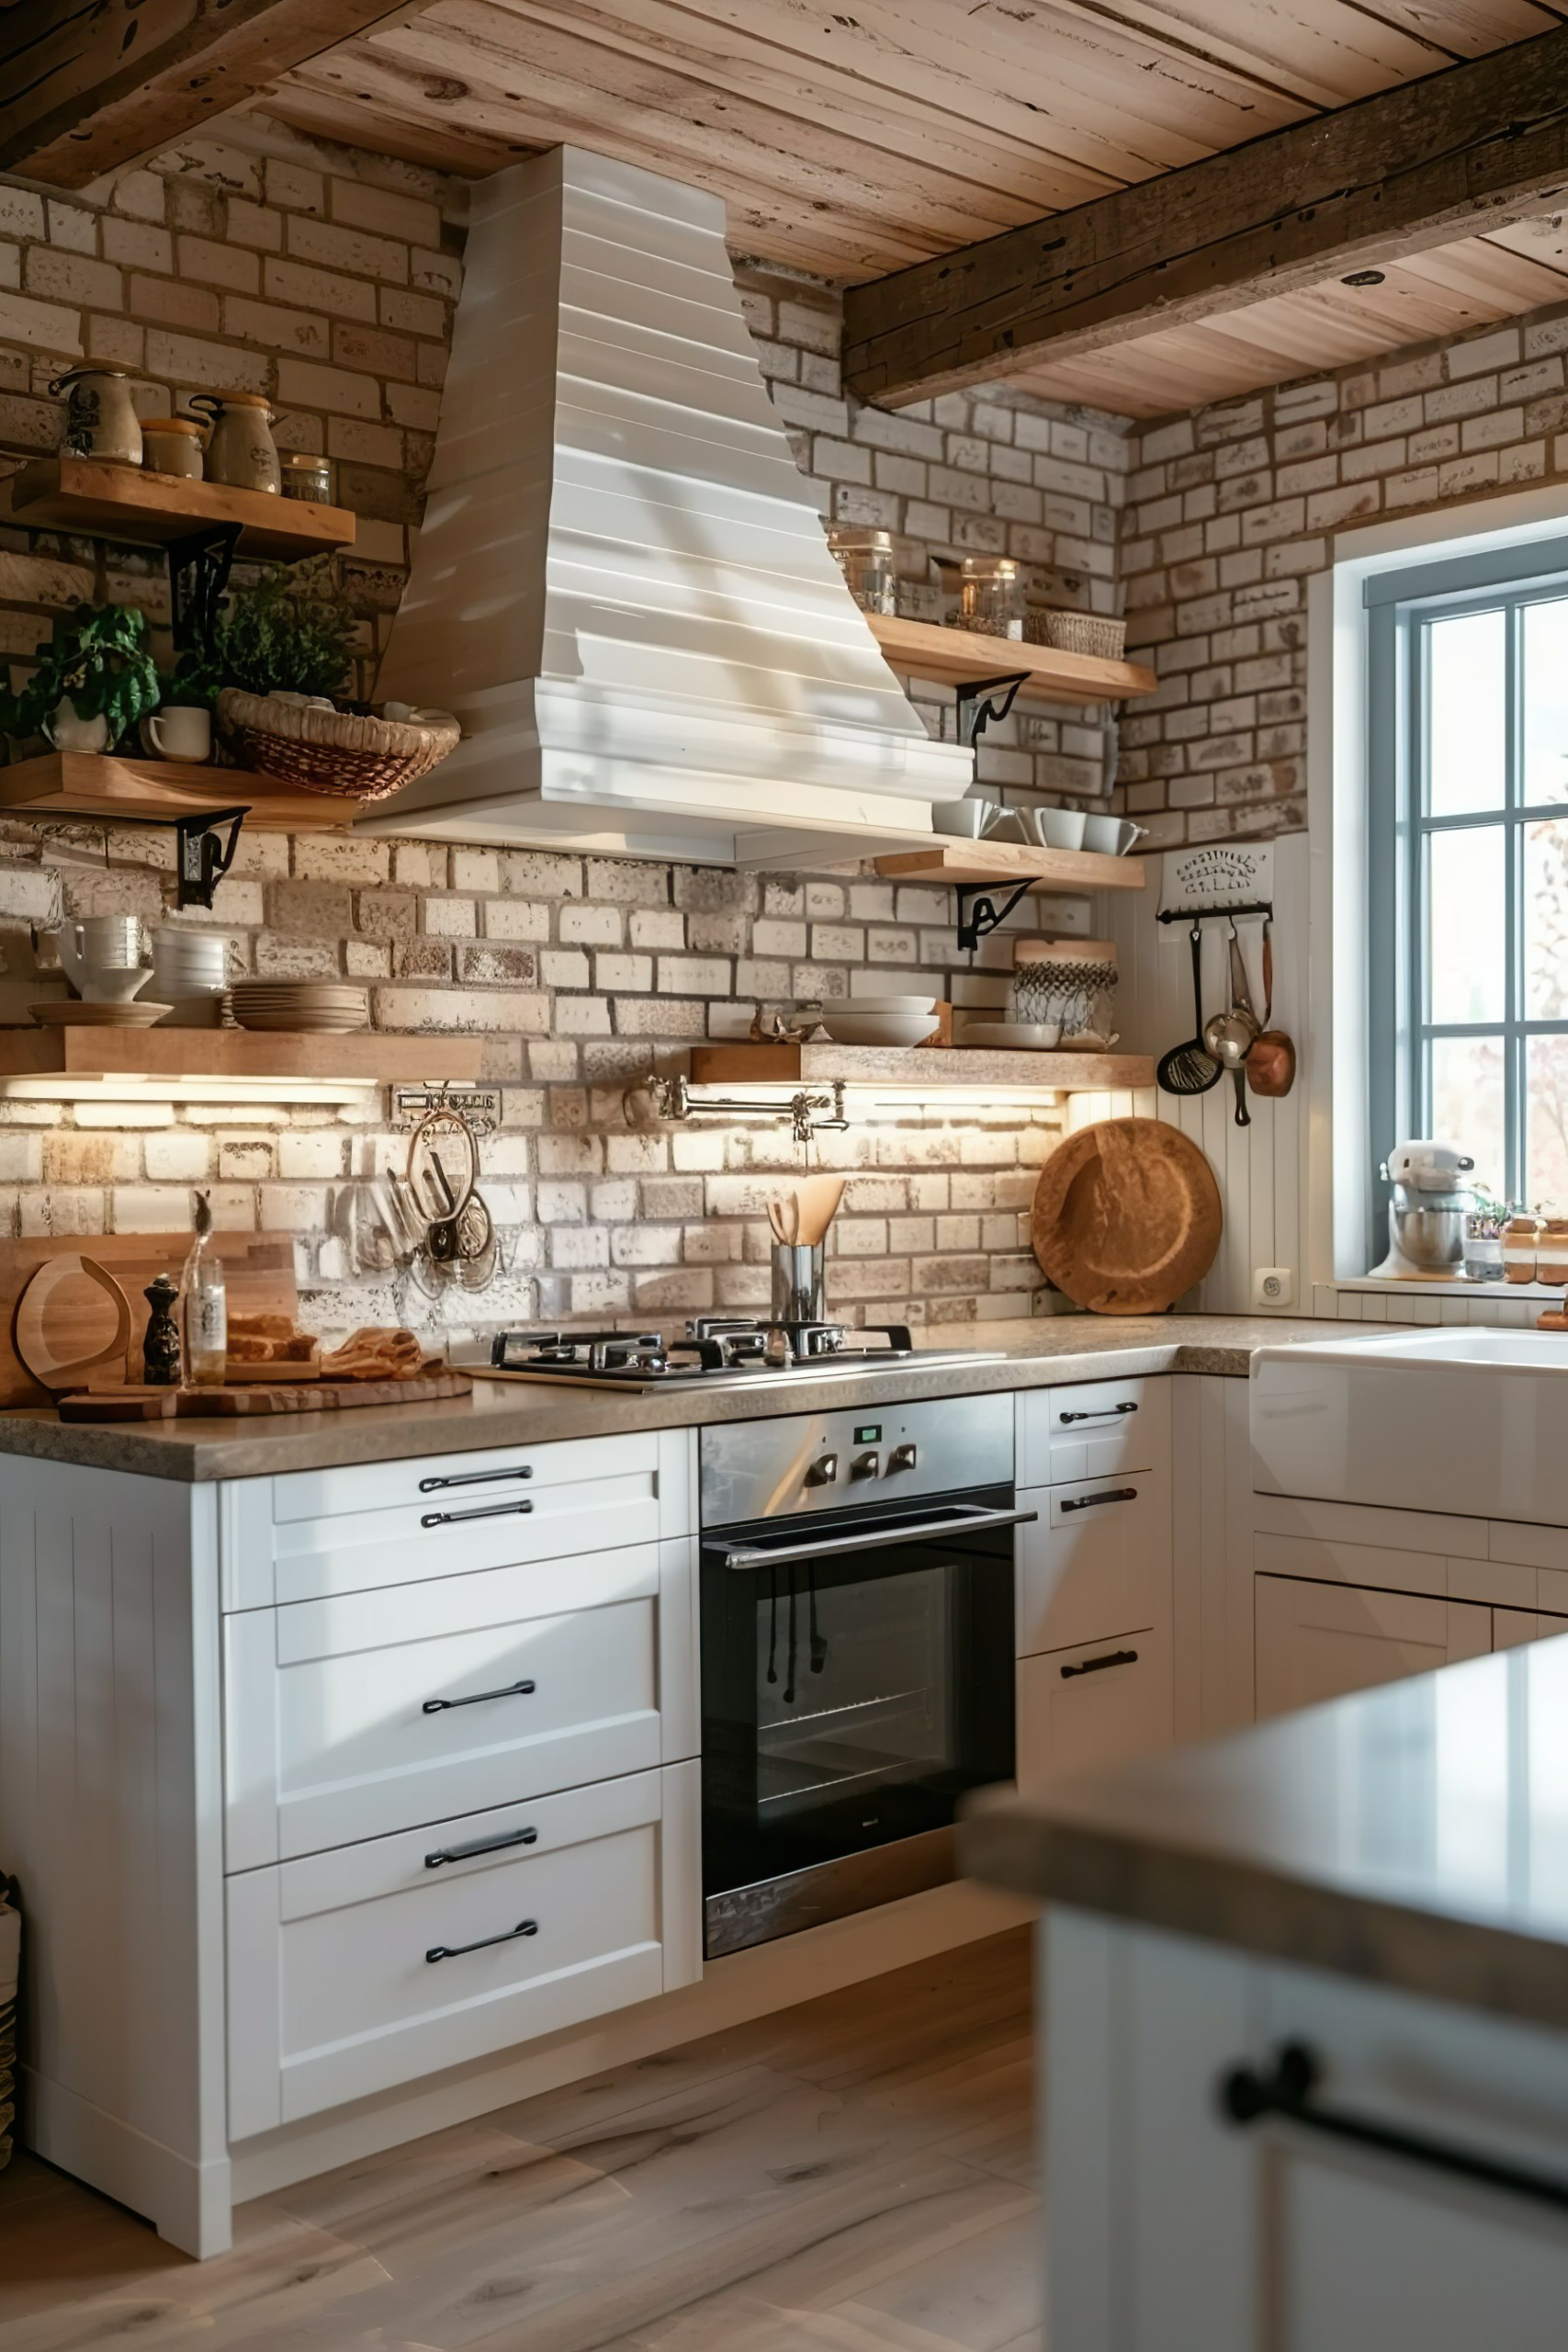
point(1468, 864)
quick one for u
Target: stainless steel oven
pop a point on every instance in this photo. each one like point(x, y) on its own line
point(857, 1647)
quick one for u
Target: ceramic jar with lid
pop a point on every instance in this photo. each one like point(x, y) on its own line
point(100, 417)
point(240, 449)
point(1067, 982)
point(1551, 1252)
point(172, 445)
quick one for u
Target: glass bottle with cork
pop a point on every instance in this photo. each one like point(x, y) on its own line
point(205, 1304)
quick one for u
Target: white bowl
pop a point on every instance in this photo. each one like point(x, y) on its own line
point(1017, 1036)
point(879, 1028)
point(858, 1004)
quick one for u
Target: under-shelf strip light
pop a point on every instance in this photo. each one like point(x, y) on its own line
point(146, 1087)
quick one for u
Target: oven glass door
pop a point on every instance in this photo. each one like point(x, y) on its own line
point(853, 1697)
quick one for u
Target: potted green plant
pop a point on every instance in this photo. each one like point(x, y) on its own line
point(93, 681)
point(287, 634)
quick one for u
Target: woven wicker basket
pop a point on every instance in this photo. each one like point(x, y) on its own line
point(1077, 633)
point(330, 752)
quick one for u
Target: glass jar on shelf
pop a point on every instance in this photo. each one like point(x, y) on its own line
point(990, 596)
point(1551, 1252)
point(1483, 1244)
point(865, 557)
point(1520, 1235)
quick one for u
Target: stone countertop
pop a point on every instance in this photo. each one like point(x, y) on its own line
point(1413, 1836)
point(1047, 1353)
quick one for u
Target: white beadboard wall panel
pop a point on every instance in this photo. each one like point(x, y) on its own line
point(109, 1816)
point(1258, 1168)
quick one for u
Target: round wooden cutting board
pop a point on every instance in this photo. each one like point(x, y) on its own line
point(1127, 1216)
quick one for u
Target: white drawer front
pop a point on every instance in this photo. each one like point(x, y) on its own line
point(1082, 1707)
point(486, 1476)
point(333, 1722)
point(1094, 1429)
point(446, 1532)
point(1096, 1562)
point(332, 1993)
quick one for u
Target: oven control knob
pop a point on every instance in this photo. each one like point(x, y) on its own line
point(823, 1471)
point(865, 1466)
point(904, 1457)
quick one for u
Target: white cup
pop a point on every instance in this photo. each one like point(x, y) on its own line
point(189, 963)
point(181, 731)
point(1061, 828)
point(1104, 834)
point(965, 818)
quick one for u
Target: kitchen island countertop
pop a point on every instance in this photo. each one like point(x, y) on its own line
point(1046, 1353)
point(1414, 1836)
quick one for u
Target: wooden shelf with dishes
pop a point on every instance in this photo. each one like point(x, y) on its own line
point(96, 783)
point(958, 656)
point(953, 860)
point(127, 502)
point(917, 1068)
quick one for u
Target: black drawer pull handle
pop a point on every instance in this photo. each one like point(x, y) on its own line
point(470, 1478)
point(1246, 2096)
point(1098, 1665)
point(1105, 1413)
point(1092, 1502)
point(479, 1844)
point(476, 1698)
point(455, 1952)
point(486, 1510)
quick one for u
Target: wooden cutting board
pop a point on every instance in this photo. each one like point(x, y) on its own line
point(72, 1317)
point(1127, 1216)
point(214, 1404)
point(258, 1267)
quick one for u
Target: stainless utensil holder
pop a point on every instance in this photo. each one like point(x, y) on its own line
point(800, 1283)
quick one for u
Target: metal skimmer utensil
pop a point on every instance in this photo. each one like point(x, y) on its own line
point(1187, 1068)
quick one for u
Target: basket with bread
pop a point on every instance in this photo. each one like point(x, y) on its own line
point(270, 1348)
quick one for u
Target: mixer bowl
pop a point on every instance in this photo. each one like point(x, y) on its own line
point(1431, 1234)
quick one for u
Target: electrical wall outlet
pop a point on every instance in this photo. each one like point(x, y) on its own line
point(1273, 1286)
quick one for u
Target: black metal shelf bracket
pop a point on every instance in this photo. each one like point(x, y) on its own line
point(199, 566)
point(979, 707)
point(978, 913)
point(201, 857)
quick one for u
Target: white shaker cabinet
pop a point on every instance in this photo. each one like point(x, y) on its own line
point(318, 1784)
point(1094, 1576)
point(1321, 1641)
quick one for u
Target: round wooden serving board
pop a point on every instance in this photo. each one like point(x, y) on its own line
point(71, 1319)
point(1127, 1216)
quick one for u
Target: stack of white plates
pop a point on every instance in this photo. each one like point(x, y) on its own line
point(880, 1019)
point(330, 1007)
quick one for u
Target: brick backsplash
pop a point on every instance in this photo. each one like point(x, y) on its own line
point(327, 279)
point(1230, 510)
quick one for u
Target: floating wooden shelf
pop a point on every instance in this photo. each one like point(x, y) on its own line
point(214, 1055)
point(127, 502)
point(949, 860)
point(86, 783)
point(924, 1070)
point(956, 656)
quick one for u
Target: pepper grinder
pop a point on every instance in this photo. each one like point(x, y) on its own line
point(161, 1348)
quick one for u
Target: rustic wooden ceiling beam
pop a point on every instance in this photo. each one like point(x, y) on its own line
point(86, 86)
point(1437, 159)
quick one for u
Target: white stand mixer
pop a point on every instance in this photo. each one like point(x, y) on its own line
point(1427, 1214)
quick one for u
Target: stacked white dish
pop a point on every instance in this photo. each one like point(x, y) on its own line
point(881, 1020)
point(188, 972)
point(330, 1007)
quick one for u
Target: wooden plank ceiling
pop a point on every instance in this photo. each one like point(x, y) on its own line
point(852, 140)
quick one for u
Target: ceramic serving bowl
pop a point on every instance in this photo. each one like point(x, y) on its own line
point(878, 1028)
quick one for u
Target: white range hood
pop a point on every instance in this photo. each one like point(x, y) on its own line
point(622, 587)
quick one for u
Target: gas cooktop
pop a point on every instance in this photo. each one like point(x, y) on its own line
point(714, 1349)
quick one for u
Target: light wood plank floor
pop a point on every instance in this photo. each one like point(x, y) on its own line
point(854, 2174)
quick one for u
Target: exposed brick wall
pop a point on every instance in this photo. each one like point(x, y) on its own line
point(327, 280)
point(1231, 509)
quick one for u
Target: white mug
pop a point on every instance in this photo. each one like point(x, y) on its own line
point(181, 731)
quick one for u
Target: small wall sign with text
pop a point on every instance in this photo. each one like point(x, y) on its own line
point(479, 1105)
point(1219, 873)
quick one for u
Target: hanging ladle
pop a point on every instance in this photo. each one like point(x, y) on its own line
point(1229, 1036)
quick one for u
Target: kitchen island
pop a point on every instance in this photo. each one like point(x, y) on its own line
point(1306, 1999)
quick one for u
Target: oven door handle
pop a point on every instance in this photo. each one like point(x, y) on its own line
point(967, 1519)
